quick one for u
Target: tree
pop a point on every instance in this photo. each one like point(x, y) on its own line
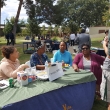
point(43, 30)
point(56, 30)
point(44, 11)
point(32, 26)
point(106, 18)
point(17, 17)
point(50, 30)
point(2, 3)
point(10, 23)
point(89, 12)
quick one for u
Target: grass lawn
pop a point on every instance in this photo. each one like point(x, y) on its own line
point(98, 104)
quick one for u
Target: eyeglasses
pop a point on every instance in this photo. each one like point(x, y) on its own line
point(85, 48)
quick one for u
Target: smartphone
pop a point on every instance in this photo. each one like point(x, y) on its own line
point(53, 65)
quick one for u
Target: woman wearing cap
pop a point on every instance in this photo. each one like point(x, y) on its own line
point(10, 64)
point(39, 58)
point(89, 61)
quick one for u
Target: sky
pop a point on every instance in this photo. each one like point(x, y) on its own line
point(11, 9)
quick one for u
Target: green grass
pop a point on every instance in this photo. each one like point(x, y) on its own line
point(98, 104)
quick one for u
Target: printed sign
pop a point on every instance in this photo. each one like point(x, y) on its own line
point(55, 72)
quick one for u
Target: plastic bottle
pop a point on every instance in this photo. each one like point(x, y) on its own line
point(46, 66)
point(29, 75)
point(63, 65)
point(11, 82)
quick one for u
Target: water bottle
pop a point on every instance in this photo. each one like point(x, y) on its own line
point(46, 66)
point(11, 82)
point(63, 65)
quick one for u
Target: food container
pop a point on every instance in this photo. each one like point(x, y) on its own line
point(22, 78)
point(31, 74)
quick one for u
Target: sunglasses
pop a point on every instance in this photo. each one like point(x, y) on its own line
point(85, 48)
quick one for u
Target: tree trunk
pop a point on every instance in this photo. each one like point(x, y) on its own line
point(0, 21)
point(16, 19)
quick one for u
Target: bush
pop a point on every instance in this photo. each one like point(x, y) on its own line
point(55, 39)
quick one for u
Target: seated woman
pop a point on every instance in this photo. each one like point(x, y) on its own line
point(89, 61)
point(10, 64)
point(62, 55)
point(39, 58)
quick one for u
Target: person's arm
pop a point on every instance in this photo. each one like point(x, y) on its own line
point(90, 41)
point(55, 57)
point(70, 58)
point(9, 72)
point(75, 63)
point(34, 62)
point(42, 67)
point(75, 67)
point(105, 47)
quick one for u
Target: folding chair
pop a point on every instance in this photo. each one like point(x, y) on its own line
point(48, 47)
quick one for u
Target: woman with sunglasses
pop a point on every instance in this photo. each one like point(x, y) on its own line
point(89, 61)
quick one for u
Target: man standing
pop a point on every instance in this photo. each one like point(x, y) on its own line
point(11, 36)
point(72, 38)
point(83, 38)
point(8, 39)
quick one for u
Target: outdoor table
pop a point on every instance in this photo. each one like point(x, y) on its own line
point(55, 46)
point(27, 47)
point(73, 91)
point(99, 51)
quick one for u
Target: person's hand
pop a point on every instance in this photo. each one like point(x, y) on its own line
point(76, 69)
point(106, 39)
point(23, 66)
point(49, 64)
point(63, 64)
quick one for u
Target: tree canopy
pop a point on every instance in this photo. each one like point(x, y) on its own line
point(44, 11)
point(89, 12)
point(32, 27)
point(10, 23)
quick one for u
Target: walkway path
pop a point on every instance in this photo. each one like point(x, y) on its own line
point(71, 49)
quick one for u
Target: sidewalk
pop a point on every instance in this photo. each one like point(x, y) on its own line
point(71, 49)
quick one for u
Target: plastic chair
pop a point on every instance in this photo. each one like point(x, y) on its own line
point(48, 47)
point(51, 59)
point(28, 63)
point(54, 51)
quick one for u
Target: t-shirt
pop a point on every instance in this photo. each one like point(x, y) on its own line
point(65, 57)
point(86, 64)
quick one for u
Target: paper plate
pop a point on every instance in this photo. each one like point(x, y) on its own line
point(42, 75)
point(67, 67)
point(4, 84)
